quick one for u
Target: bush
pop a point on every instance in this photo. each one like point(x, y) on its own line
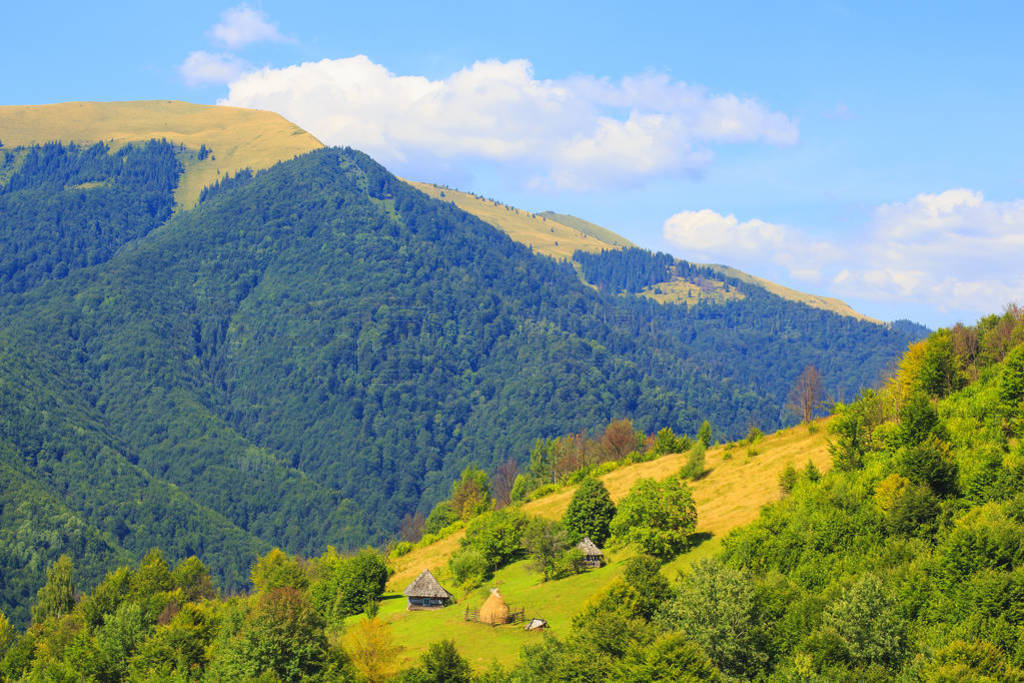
point(469, 568)
point(788, 479)
point(440, 517)
point(694, 467)
point(590, 513)
point(497, 535)
point(401, 548)
point(546, 541)
point(346, 584)
point(658, 517)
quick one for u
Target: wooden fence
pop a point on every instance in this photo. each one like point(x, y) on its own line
point(514, 616)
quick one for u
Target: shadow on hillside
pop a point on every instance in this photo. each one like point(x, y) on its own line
point(701, 475)
point(697, 538)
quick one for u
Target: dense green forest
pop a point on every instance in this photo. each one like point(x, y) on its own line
point(64, 206)
point(625, 270)
point(904, 562)
point(317, 350)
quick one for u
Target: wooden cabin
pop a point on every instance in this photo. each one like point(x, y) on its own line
point(592, 555)
point(426, 593)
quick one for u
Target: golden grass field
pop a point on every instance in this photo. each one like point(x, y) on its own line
point(239, 138)
point(680, 291)
point(823, 302)
point(544, 236)
point(731, 494)
point(592, 229)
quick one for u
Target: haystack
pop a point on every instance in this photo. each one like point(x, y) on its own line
point(494, 610)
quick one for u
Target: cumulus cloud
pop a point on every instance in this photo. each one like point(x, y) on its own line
point(708, 235)
point(202, 67)
point(573, 133)
point(242, 25)
point(954, 250)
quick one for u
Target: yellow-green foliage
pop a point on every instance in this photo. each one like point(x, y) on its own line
point(681, 291)
point(238, 138)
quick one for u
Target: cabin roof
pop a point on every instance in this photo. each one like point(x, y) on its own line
point(426, 586)
point(588, 548)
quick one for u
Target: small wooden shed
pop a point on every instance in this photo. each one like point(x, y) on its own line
point(426, 593)
point(592, 555)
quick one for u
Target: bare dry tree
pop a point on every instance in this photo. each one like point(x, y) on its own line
point(411, 528)
point(504, 479)
point(805, 396)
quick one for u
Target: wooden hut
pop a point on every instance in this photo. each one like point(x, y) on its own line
point(494, 610)
point(592, 555)
point(426, 593)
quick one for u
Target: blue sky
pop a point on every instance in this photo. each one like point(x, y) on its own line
point(870, 151)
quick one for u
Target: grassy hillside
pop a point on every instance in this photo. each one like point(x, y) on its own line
point(592, 229)
point(823, 302)
point(560, 235)
point(544, 235)
point(731, 494)
point(238, 138)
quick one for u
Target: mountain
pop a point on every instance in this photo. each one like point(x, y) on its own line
point(220, 141)
point(561, 236)
point(882, 543)
point(317, 349)
point(231, 138)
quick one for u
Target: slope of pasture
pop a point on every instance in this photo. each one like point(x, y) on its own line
point(734, 489)
point(823, 302)
point(238, 138)
point(543, 235)
point(592, 229)
point(681, 291)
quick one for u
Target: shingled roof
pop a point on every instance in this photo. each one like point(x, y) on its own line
point(588, 548)
point(426, 586)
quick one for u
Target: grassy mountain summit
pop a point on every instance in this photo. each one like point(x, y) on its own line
point(237, 138)
point(234, 138)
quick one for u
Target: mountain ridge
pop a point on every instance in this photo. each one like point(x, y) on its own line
point(239, 138)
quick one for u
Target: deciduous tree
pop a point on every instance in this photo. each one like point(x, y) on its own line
point(657, 516)
point(590, 513)
point(57, 596)
point(806, 394)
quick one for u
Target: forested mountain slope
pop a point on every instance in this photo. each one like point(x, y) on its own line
point(318, 349)
point(231, 138)
point(903, 561)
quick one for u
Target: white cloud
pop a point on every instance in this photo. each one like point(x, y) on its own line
point(707, 235)
point(202, 67)
point(953, 251)
point(577, 133)
point(242, 25)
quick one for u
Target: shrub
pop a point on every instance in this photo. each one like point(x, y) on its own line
point(468, 567)
point(659, 517)
point(694, 467)
point(590, 513)
point(497, 535)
